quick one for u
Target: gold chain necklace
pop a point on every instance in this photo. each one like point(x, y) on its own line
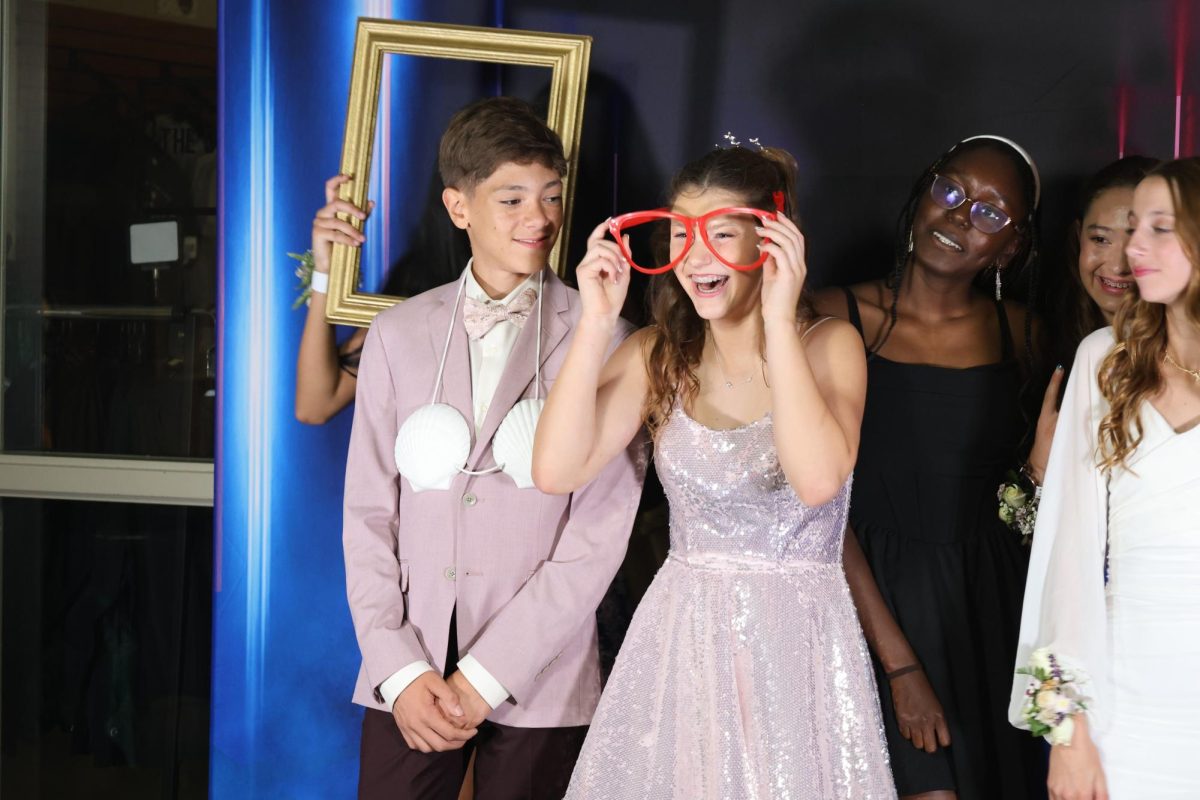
point(1195, 373)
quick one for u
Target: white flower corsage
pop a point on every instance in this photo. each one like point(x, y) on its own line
point(1019, 498)
point(1052, 696)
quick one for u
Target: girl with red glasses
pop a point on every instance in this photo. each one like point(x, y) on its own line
point(744, 672)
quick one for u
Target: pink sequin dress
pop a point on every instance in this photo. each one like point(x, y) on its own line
point(744, 673)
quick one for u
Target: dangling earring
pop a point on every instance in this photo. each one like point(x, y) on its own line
point(998, 293)
point(910, 242)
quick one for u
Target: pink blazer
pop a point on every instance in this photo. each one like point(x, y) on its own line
point(525, 569)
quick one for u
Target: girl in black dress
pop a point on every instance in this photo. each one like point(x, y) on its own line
point(939, 578)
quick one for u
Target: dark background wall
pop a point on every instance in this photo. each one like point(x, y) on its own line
point(863, 93)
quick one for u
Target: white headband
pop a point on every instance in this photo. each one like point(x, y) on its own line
point(1023, 153)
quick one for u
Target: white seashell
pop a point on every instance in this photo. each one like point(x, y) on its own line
point(432, 445)
point(512, 446)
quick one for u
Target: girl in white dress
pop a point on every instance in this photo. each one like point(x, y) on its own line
point(1110, 635)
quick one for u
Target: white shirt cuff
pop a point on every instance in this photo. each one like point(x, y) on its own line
point(391, 688)
point(488, 687)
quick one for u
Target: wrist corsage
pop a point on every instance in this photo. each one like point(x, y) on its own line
point(304, 272)
point(1052, 696)
point(1019, 497)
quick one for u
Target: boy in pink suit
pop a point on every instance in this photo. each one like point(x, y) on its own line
point(474, 599)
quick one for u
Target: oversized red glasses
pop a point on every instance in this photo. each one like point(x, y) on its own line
point(647, 238)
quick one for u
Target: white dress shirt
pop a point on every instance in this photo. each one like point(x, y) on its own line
point(489, 356)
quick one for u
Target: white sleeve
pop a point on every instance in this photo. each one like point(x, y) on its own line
point(399, 680)
point(490, 689)
point(1064, 608)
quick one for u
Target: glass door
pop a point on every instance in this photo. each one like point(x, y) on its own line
point(108, 363)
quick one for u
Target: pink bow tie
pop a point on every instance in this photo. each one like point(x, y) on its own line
point(479, 317)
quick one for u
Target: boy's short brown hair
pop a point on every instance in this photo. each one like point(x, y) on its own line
point(491, 132)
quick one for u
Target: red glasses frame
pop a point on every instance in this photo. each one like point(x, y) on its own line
point(689, 225)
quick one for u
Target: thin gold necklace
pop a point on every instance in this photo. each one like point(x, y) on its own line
point(1195, 373)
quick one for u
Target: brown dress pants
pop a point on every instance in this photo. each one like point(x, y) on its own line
point(510, 763)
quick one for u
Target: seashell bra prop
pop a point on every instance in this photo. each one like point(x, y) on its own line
point(434, 443)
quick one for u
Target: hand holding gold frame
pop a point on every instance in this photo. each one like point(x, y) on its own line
point(565, 55)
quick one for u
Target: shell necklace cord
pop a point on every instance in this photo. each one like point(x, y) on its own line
point(434, 443)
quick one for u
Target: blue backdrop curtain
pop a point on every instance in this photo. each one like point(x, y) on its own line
point(284, 654)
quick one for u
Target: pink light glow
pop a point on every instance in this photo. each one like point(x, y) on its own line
point(1122, 119)
point(1182, 8)
point(1188, 144)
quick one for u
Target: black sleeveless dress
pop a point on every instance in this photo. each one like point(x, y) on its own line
point(936, 443)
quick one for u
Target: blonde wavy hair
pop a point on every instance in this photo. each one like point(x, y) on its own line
point(1130, 374)
point(678, 334)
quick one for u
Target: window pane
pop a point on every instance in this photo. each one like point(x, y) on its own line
point(107, 616)
point(109, 343)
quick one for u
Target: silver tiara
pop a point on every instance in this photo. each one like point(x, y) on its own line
point(732, 141)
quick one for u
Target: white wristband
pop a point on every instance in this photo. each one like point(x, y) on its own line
point(320, 282)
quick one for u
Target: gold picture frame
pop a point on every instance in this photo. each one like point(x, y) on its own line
point(566, 55)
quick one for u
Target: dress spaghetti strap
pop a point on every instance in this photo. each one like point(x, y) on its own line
point(852, 310)
point(1006, 341)
point(812, 326)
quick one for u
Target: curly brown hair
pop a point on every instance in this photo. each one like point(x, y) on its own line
point(1131, 372)
point(677, 333)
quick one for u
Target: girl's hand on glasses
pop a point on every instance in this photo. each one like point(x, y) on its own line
point(785, 271)
point(602, 276)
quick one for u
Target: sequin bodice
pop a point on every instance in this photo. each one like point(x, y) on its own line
point(730, 498)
